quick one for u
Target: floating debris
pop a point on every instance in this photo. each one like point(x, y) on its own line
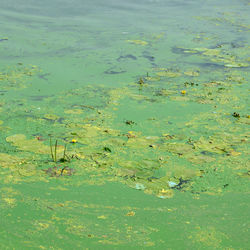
point(172, 184)
point(139, 186)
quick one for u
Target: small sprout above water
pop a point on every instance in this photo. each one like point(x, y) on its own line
point(235, 114)
point(129, 122)
point(190, 84)
point(141, 81)
point(53, 152)
point(51, 149)
point(107, 149)
point(65, 157)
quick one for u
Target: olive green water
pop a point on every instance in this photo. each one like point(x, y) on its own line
point(124, 125)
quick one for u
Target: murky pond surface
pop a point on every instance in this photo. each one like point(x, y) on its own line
point(124, 124)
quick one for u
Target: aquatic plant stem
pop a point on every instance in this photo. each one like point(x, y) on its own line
point(64, 152)
point(51, 151)
point(55, 150)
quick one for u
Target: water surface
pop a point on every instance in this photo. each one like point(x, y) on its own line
point(124, 125)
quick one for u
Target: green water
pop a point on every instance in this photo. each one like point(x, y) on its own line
point(124, 125)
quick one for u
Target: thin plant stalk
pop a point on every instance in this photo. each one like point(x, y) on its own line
point(55, 151)
point(64, 152)
point(51, 151)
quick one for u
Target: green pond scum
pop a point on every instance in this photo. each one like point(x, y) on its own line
point(124, 125)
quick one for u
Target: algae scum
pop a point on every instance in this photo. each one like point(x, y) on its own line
point(122, 136)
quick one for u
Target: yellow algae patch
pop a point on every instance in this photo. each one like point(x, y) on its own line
point(73, 111)
point(27, 169)
point(209, 238)
point(40, 226)
point(181, 98)
point(158, 36)
point(244, 120)
point(165, 193)
point(19, 167)
point(138, 42)
point(131, 213)
point(61, 188)
point(198, 159)
point(143, 142)
point(236, 65)
point(234, 153)
point(211, 52)
point(87, 132)
point(115, 95)
point(32, 145)
point(51, 117)
point(192, 73)
point(7, 160)
point(6, 195)
point(80, 155)
point(103, 217)
point(76, 229)
point(16, 76)
point(178, 148)
point(213, 145)
point(164, 92)
point(10, 201)
point(138, 97)
point(168, 74)
point(185, 173)
point(152, 78)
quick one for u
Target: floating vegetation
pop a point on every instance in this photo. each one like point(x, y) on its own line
point(32, 145)
point(217, 55)
point(99, 145)
point(59, 171)
point(168, 73)
point(16, 77)
point(191, 73)
point(138, 42)
point(136, 158)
